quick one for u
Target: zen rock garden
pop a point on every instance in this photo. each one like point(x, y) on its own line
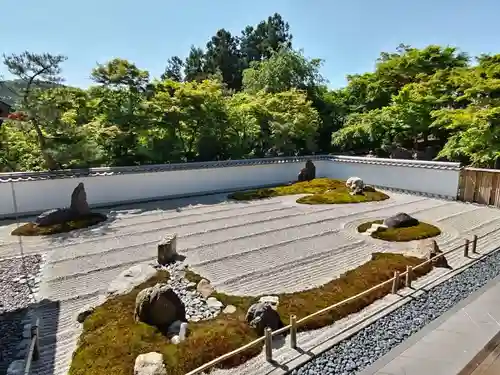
point(171, 320)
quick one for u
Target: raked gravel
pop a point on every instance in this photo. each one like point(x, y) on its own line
point(354, 354)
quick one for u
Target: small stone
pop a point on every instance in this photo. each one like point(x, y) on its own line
point(150, 364)
point(84, 313)
point(230, 309)
point(273, 300)
point(16, 367)
point(205, 288)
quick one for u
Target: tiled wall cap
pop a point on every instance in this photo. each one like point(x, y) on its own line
point(109, 171)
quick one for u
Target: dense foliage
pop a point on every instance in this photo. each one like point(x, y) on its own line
point(252, 95)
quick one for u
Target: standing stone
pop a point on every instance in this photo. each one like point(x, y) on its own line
point(159, 306)
point(431, 249)
point(150, 364)
point(167, 250)
point(79, 202)
point(308, 173)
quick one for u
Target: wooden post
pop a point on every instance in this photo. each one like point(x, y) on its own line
point(34, 336)
point(269, 344)
point(293, 331)
point(466, 248)
point(409, 276)
point(474, 244)
point(395, 282)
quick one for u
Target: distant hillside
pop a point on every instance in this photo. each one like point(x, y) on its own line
point(7, 87)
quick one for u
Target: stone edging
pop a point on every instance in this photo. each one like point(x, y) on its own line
point(110, 171)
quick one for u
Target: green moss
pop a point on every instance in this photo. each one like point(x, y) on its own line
point(417, 232)
point(31, 229)
point(321, 190)
point(111, 339)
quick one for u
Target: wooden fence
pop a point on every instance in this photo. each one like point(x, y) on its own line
point(480, 186)
point(399, 280)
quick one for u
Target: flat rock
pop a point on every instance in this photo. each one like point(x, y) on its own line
point(16, 367)
point(214, 303)
point(229, 309)
point(150, 364)
point(273, 300)
point(130, 278)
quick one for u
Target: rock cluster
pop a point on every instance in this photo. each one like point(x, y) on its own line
point(197, 306)
point(79, 208)
point(308, 173)
point(357, 352)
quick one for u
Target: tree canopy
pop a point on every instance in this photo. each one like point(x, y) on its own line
point(251, 95)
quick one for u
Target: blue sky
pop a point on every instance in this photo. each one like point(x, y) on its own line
point(347, 34)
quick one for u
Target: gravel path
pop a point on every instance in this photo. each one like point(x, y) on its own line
point(365, 347)
point(243, 248)
point(18, 278)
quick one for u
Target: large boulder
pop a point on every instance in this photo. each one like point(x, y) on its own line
point(159, 306)
point(55, 216)
point(400, 220)
point(150, 364)
point(79, 202)
point(308, 173)
point(78, 208)
point(262, 315)
point(355, 185)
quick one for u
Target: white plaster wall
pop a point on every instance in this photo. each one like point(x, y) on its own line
point(435, 178)
point(39, 195)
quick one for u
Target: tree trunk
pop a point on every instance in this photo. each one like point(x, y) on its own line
point(50, 163)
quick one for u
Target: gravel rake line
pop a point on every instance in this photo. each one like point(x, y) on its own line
point(71, 253)
point(271, 261)
point(326, 267)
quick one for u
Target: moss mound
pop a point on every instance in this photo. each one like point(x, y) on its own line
point(111, 339)
point(417, 232)
point(31, 229)
point(322, 190)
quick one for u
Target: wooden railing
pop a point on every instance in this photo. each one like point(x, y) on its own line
point(33, 353)
point(396, 281)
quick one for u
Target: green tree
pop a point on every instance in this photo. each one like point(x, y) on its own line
point(34, 70)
